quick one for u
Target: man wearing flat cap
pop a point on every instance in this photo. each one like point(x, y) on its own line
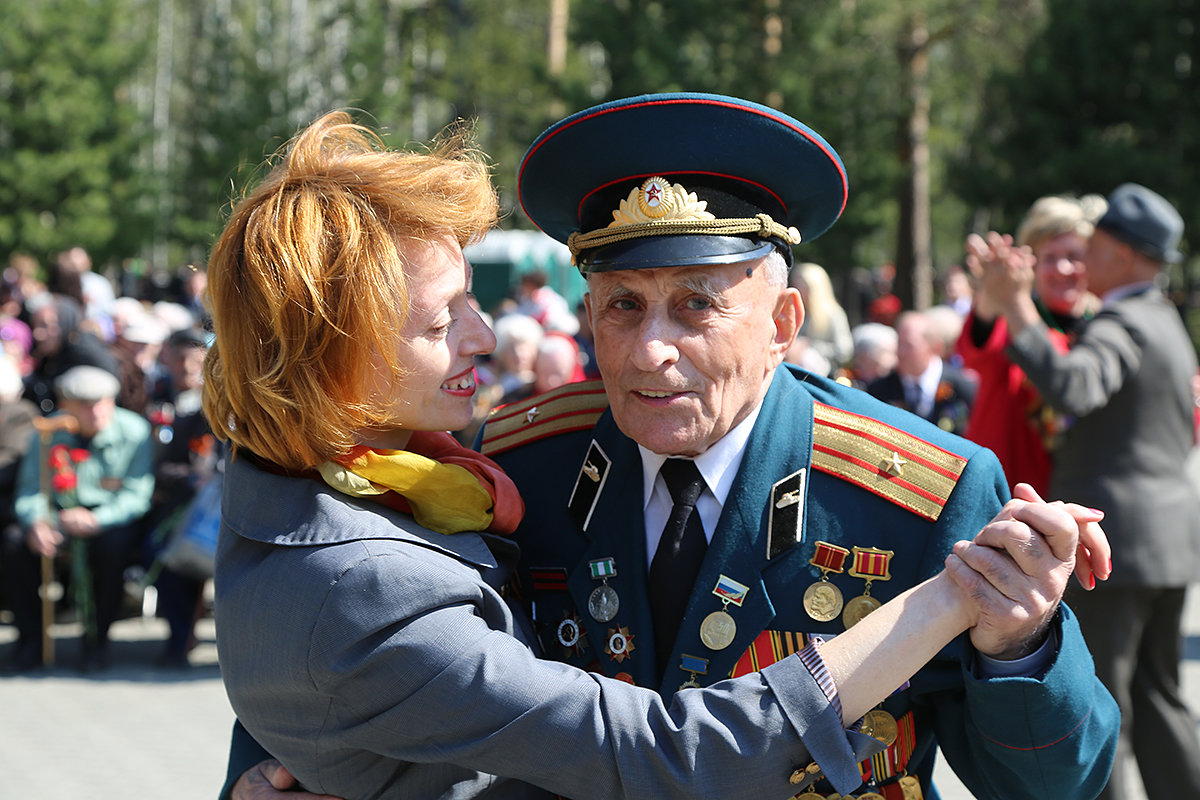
point(102, 477)
point(707, 509)
point(1126, 384)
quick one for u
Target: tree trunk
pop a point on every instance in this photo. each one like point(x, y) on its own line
point(914, 256)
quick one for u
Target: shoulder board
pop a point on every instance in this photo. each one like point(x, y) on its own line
point(884, 460)
point(571, 407)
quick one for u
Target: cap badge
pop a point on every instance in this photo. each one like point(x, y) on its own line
point(659, 199)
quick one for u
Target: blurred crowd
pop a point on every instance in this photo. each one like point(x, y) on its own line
point(103, 447)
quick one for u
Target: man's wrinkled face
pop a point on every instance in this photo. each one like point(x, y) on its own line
point(688, 352)
point(914, 351)
point(93, 416)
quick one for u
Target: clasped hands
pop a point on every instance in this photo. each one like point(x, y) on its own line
point(1014, 572)
point(44, 539)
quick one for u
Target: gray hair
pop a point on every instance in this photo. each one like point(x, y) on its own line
point(776, 269)
point(872, 337)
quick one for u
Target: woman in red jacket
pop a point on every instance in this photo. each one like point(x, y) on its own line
point(1009, 416)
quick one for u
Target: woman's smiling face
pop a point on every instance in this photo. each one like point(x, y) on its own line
point(436, 348)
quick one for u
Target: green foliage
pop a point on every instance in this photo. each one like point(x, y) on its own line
point(1096, 105)
point(70, 133)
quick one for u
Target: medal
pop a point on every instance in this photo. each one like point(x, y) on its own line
point(603, 602)
point(871, 796)
point(871, 564)
point(881, 725)
point(823, 600)
point(911, 787)
point(568, 632)
point(571, 634)
point(693, 665)
point(718, 629)
point(620, 644)
point(857, 608)
point(805, 776)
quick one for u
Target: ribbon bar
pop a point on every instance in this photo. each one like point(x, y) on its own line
point(872, 563)
point(829, 557)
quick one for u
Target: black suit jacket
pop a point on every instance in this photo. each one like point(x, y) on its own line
point(951, 405)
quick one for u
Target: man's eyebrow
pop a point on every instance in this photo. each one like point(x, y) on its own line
point(700, 284)
point(618, 291)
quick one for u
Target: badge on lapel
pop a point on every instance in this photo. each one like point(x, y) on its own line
point(588, 484)
point(784, 528)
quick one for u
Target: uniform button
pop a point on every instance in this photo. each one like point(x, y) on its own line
point(799, 776)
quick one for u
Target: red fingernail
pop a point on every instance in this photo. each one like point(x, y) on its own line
point(1092, 581)
point(1110, 565)
point(1096, 511)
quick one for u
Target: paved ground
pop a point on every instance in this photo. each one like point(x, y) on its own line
point(137, 732)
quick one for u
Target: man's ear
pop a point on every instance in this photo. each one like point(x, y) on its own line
point(788, 317)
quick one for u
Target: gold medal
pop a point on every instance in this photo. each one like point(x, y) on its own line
point(911, 788)
point(857, 608)
point(823, 600)
point(871, 796)
point(718, 630)
point(881, 725)
point(809, 773)
point(871, 564)
point(810, 796)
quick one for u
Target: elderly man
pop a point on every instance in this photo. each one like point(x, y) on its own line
point(707, 510)
point(1126, 383)
point(922, 382)
point(102, 478)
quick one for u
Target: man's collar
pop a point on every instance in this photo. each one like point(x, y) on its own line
point(718, 464)
point(1128, 290)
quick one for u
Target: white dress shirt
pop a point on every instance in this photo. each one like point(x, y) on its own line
point(718, 466)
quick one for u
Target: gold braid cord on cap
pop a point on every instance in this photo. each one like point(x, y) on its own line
point(661, 208)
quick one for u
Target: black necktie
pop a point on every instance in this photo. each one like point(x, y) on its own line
point(912, 396)
point(677, 560)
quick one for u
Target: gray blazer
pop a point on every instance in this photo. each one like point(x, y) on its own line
point(1127, 383)
point(376, 659)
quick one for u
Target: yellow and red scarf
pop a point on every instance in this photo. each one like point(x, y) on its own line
point(447, 488)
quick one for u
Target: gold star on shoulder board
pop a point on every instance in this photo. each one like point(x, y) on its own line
point(896, 465)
